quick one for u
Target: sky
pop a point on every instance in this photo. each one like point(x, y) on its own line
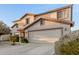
point(11, 12)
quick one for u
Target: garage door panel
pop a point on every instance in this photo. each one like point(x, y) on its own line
point(45, 36)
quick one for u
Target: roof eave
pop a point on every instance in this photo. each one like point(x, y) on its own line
point(67, 6)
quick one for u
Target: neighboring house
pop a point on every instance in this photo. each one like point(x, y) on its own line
point(46, 27)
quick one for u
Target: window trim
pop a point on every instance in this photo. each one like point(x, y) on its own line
point(61, 13)
point(16, 25)
point(41, 22)
point(27, 20)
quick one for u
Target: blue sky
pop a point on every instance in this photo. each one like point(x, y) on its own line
point(11, 12)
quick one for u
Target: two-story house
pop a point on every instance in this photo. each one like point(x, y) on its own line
point(45, 27)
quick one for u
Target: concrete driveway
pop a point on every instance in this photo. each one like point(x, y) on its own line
point(27, 49)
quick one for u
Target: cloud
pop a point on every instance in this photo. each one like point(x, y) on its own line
point(75, 28)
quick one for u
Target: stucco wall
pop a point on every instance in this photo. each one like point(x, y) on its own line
point(66, 16)
point(48, 15)
point(22, 22)
point(37, 26)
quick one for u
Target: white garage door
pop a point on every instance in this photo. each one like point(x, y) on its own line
point(45, 36)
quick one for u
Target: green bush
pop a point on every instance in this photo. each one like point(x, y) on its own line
point(70, 48)
point(13, 39)
point(24, 40)
point(17, 38)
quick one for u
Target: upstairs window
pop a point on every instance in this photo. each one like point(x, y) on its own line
point(60, 14)
point(42, 22)
point(27, 21)
point(16, 25)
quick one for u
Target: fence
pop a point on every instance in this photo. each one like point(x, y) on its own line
point(4, 37)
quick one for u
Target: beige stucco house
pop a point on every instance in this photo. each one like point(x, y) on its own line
point(45, 27)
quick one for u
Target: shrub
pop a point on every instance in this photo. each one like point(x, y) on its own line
point(24, 40)
point(17, 38)
point(70, 48)
point(13, 39)
point(68, 44)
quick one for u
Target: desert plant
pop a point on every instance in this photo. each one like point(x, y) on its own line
point(68, 44)
point(17, 38)
point(70, 48)
point(13, 40)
